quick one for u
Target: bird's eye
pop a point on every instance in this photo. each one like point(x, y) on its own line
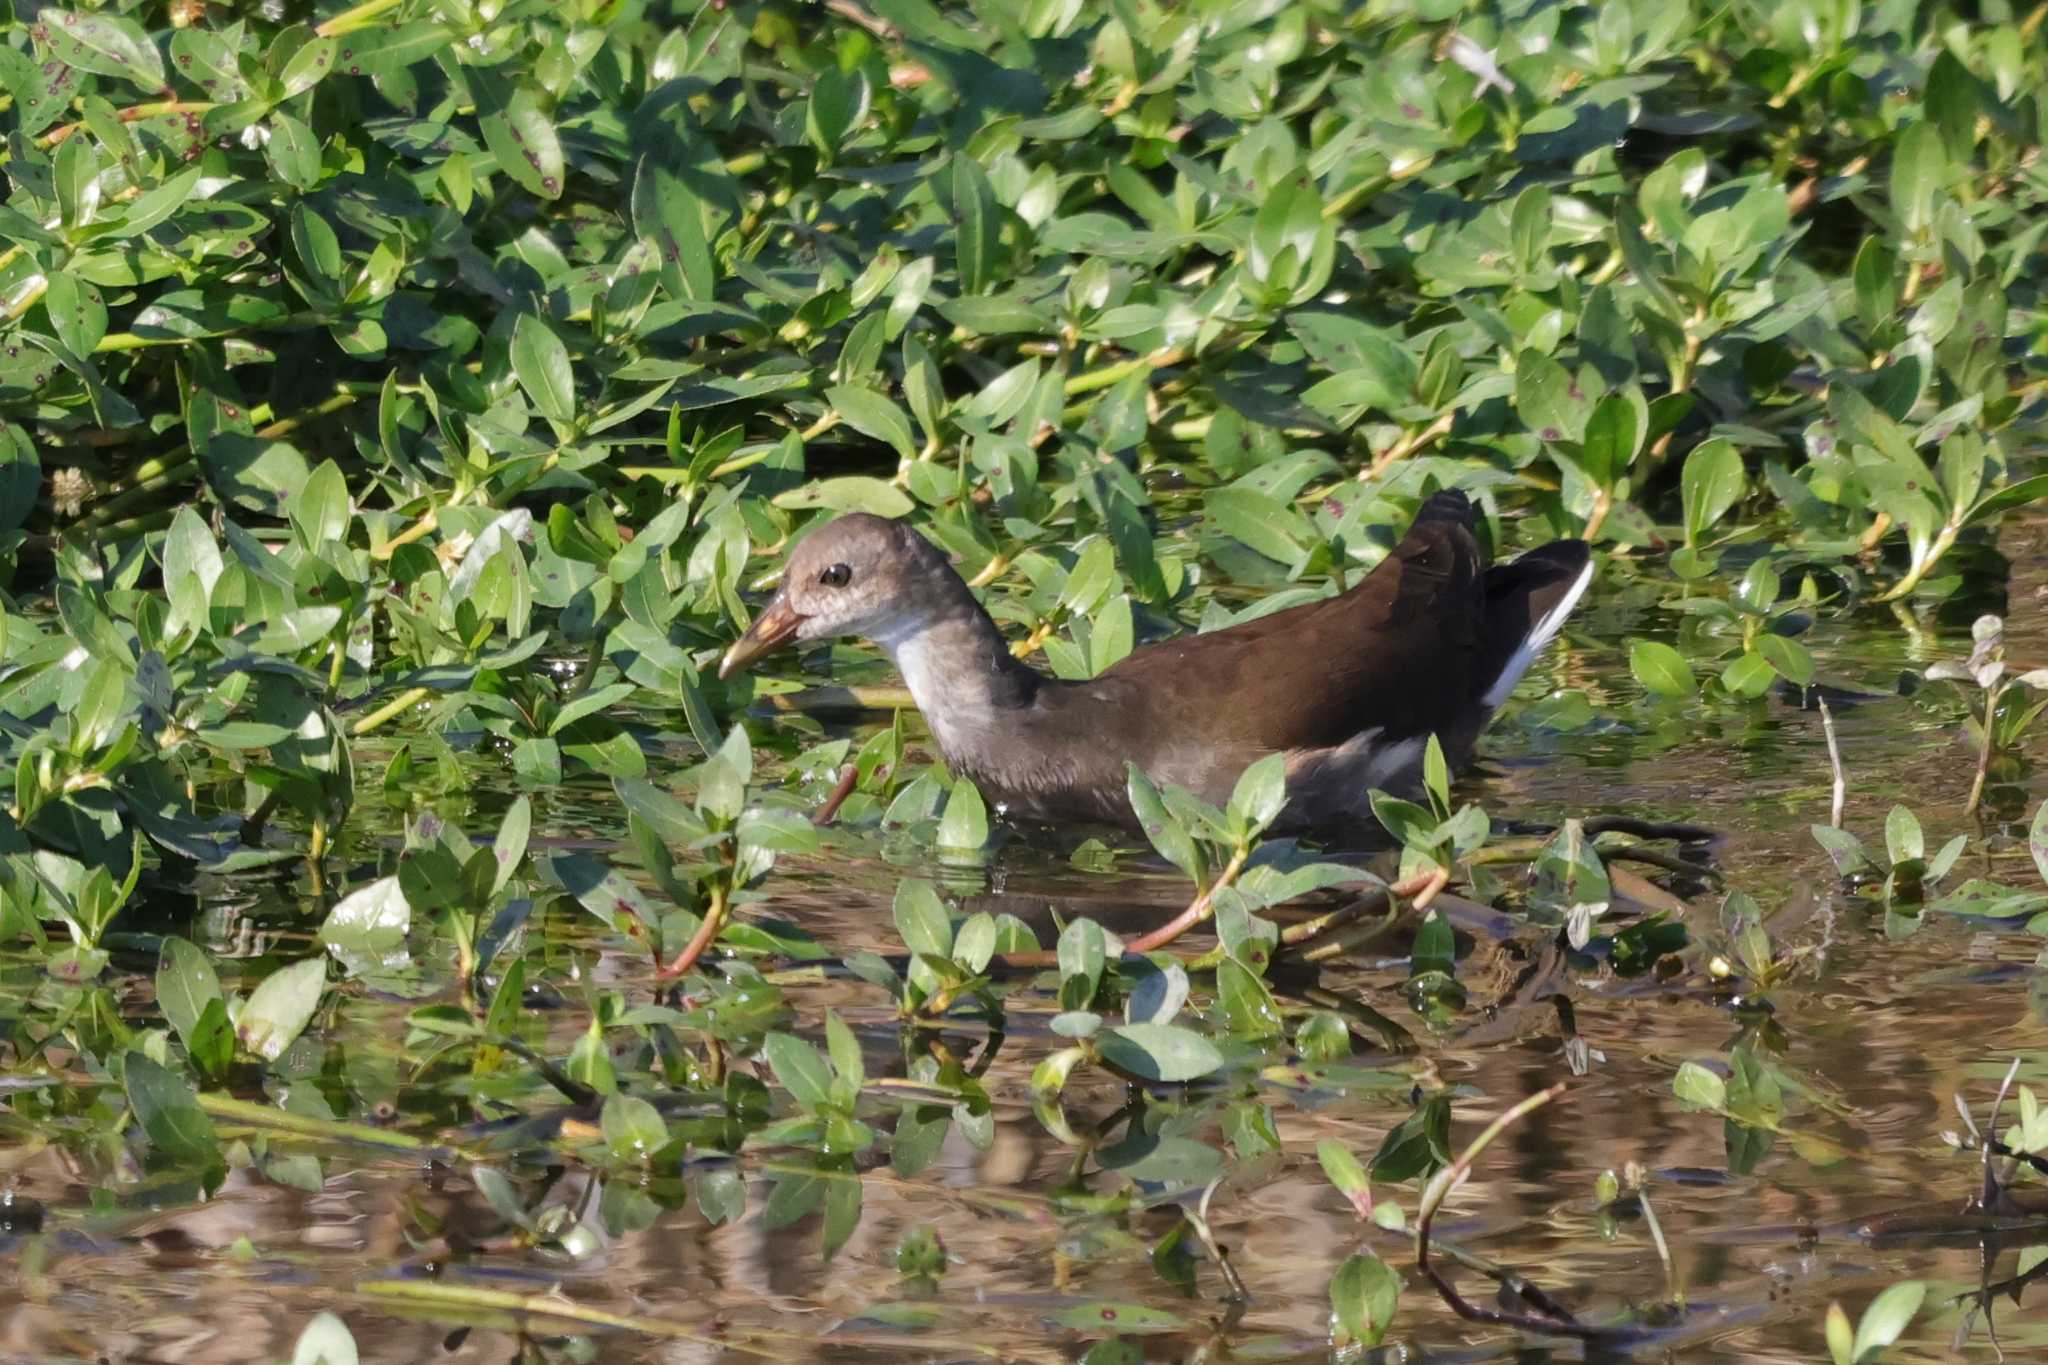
point(836, 576)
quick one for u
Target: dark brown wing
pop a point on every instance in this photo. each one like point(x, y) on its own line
point(1400, 651)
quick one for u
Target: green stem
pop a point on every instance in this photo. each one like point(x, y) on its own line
point(1991, 695)
point(1453, 1175)
point(1090, 380)
point(349, 20)
point(412, 696)
point(301, 1125)
point(29, 297)
point(128, 341)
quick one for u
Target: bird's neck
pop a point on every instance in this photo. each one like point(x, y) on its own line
point(959, 670)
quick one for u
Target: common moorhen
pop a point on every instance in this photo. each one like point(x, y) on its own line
point(1350, 688)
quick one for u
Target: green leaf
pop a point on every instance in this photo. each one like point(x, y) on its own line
point(373, 919)
point(633, 1129)
point(76, 312)
point(980, 225)
point(1548, 399)
point(541, 362)
point(1343, 1170)
point(838, 105)
point(320, 511)
point(965, 823)
point(1920, 171)
point(848, 1068)
point(104, 44)
point(1260, 793)
point(1614, 437)
point(800, 1070)
point(873, 414)
point(1841, 1337)
point(278, 1010)
point(921, 919)
point(1710, 484)
point(1748, 674)
point(1903, 841)
point(311, 61)
point(185, 983)
point(1699, 1088)
point(850, 493)
point(1661, 669)
point(1167, 834)
point(517, 129)
point(1082, 955)
point(1887, 1317)
point(1436, 776)
point(1789, 657)
point(293, 152)
point(667, 213)
point(1160, 1052)
point(1247, 1001)
point(168, 1109)
point(509, 848)
point(1111, 634)
point(1362, 1295)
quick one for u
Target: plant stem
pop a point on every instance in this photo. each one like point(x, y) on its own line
point(1090, 380)
point(1409, 444)
point(546, 1307)
point(1603, 503)
point(1676, 1290)
point(714, 920)
point(135, 113)
point(990, 572)
point(1199, 909)
point(412, 696)
point(349, 20)
point(1841, 790)
point(1991, 695)
point(276, 1120)
point(31, 294)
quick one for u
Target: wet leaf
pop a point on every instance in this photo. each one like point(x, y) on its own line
point(799, 1069)
point(1160, 1052)
point(279, 1009)
point(185, 984)
point(1661, 669)
point(1886, 1318)
point(1700, 1088)
point(372, 919)
point(1362, 1295)
point(168, 1110)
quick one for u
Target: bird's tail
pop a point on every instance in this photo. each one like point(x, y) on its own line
point(1527, 602)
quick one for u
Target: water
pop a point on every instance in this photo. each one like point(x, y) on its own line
point(1879, 1037)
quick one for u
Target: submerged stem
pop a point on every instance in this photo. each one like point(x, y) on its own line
point(1991, 695)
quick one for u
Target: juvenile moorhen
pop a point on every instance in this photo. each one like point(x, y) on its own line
point(1350, 688)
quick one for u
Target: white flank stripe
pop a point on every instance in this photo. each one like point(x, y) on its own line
point(1532, 644)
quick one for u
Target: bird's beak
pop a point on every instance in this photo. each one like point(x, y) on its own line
point(775, 627)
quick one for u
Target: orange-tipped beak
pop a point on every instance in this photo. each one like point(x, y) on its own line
point(775, 627)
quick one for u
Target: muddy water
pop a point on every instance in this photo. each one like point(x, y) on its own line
point(1881, 1036)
